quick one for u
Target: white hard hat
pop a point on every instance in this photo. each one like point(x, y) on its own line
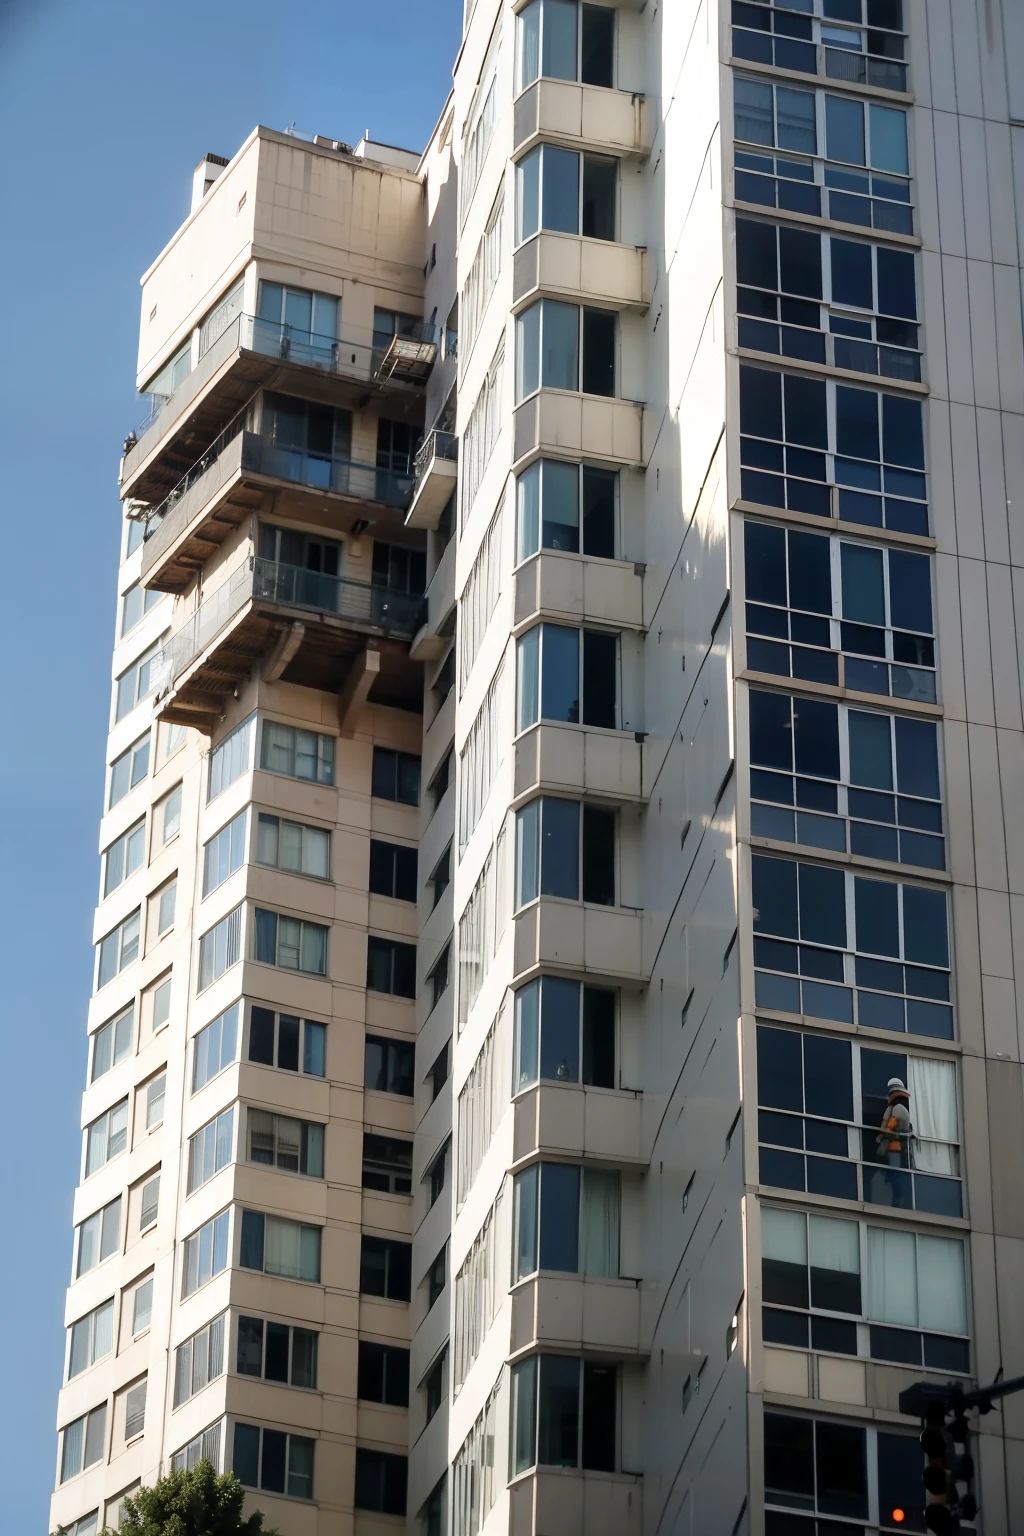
point(896, 1085)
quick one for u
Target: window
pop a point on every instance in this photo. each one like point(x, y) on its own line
point(112, 1042)
point(565, 1032)
point(86, 1526)
point(844, 302)
point(480, 1288)
point(826, 1122)
point(290, 943)
point(209, 1149)
point(164, 901)
point(383, 1374)
point(277, 1352)
point(291, 845)
point(483, 274)
point(861, 782)
point(826, 1467)
point(163, 384)
point(135, 1409)
point(389, 1065)
point(567, 675)
point(882, 599)
point(385, 1268)
point(136, 684)
point(119, 949)
point(106, 1137)
point(433, 1387)
point(396, 776)
point(230, 759)
point(394, 566)
point(562, 40)
point(135, 604)
point(199, 1360)
point(142, 1307)
point(481, 756)
point(128, 770)
point(483, 1100)
point(205, 1254)
point(98, 1237)
point(566, 1219)
point(135, 536)
point(297, 319)
point(807, 921)
point(481, 433)
point(285, 1041)
point(391, 967)
point(392, 870)
point(438, 1074)
point(271, 1460)
point(794, 427)
point(214, 1048)
point(387, 1164)
point(278, 1247)
point(864, 172)
point(83, 1443)
point(159, 998)
point(441, 878)
point(149, 1203)
point(480, 121)
point(224, 853)
point(297, 1146)
point(439, 784)
point(220, 948)
point(205, 1447)
point(156, 1090)
point(437, 1174)
point(552, 859)
point(479, 598)
point(561, 190)
point(124, 857)
point(549, 354)
point(870, 55)
point(437, 1277)
point(297, 754)
point(381, 1481)
point(169, 739)
point(221, 316)
point(568, 507)
point(910, 1288)
point(476, 1481)
point(90, 1339)
point(564, 1413)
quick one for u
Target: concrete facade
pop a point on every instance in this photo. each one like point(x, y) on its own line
point(715, 696)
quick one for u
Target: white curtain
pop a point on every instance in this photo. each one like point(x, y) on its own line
point(942, 1289)
point(783, 1236)
point(892, 1277)
point(834, 1245)
point(281, 1247)
point(932, 1087)
point(599, 1235)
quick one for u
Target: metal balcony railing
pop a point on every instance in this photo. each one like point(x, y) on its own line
point(435, 445)
point(270, 581)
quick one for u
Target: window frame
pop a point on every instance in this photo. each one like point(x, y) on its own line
point(306, 831)
point(91, 1321)
point(267, 921)
point(522, 192)
point(138, 753)
point(218, 1245)
point(127, 935)
point(524, 536)
point(100, 1218)
point(232, 836)
point(325, 761)
point(397, 1057)
point(111, 1029)
point(401, 959)
point(253, 1229)
point(304, 1047)
point(224, 1061)
point(130, 843)
point(102, 1125)
point(291, 1329)
point(534, 654)
point(523, 84)
point(524, 389)
point(183, 1363)
point(144, 683)
point(523, 815)
point(233, 754)
point(310, 1143)
point(528, 1380)
point(232, 924)
point(210, 1149)
point(261, 1430)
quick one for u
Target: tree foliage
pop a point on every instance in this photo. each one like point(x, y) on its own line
point(193, 1503)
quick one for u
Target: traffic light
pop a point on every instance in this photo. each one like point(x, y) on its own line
point(949, 1467)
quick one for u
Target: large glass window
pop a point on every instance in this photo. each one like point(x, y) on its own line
point(387, 1164)
point(90, 1338)
point(199, 1360)
point(565, 1032)
point(112, 1042)
point(826, 299)
point(275, 1246)
point(560, 852)
point(383, 1374)
point(214, 1047)
point(297, 754)
point(210, 1149)
point(277, 1352)
point(136, 684)
point(382, 1480)
point(566, 1218)
point(220, 948)
point(224, 853)
point(829, 1122)
point(297, 324)
point(567, 675)
point(837, 945)
point(391, 966)
point(564, 1414)
point(563, 346)
point(845, 1287)
point(135, 604)
point(569, 193)
point(291, 943)
point(849, 1471)
point(812, 599)
point(385, 1268)
point(274, 1461)
point(293, 846)
point(569, 507)
point(118, 950)
point(97, 1237)
point(205, 1254)
point(396, 776)
point(128, 770)
point(858, 40)
point(285, 1041)
point(279, 1141)
point(230, 759)
point(83, 1442)
point(106, 1137)
point(389, 1065)
point(393, 870)
point(564, 40)
point(830, 776)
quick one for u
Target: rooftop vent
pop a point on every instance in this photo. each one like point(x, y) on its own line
point(204, 176)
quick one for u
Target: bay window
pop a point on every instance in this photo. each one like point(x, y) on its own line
point(565, 1032)
point(291, 943)
point(296, 753)
point(220, 948)
point(297, 1146)
point(83, 1442)
point(296, 323)
point(224, 853)
point(274, 1461)
point(567, 674)
point(97, 1237)
point(566, 1218)
point(205, 1253)
point(285, 1041)
point(570, 507)
point(565, 346)
point(199, 1360)
point(561, 852)
point(210, 1149)
point(214, 1048)
point(275, 1246)
point(565, 40)
point(570, 193)
point(564, 1414)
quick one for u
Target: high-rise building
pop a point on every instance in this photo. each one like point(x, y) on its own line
point(566, 770)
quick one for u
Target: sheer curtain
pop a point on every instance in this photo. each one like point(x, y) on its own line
point(932, 1087)
point(892, 1277)
point(599, 1234)
point(942, 1289)
point(834, 1245)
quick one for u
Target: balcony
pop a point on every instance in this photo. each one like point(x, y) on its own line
point(567, 935)
point(574, 1312)
point(582, 117)
point(437, 469)
point(563, 758)
point(562, 265)
point(576, 1503)
point(431, 642)
point(571, 1119)
point(227, 485)
point(600, 427)
point(574, 588)
point(308, 628)
point(254, 353)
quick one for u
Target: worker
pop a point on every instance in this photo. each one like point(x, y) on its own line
point(894, 1135)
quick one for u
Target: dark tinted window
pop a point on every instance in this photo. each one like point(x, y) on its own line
point(597, 45)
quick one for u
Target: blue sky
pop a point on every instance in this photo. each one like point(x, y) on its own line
point(105, 107)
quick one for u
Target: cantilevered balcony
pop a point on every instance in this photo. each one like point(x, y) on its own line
point(229, 482)
point(567, 265)
point(582, 116)
point(298, 625)
point(437, 468)
point(252, 353)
